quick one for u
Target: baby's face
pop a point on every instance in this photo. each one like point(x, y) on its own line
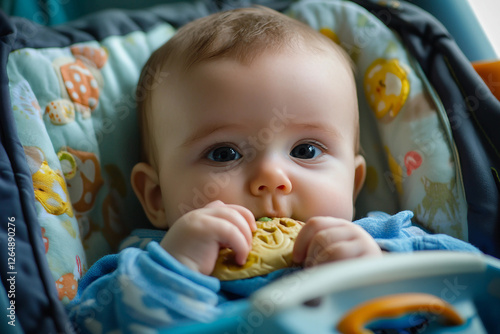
point(275, 136)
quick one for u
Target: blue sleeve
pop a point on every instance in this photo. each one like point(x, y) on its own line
point(139, 289)
point(397, 234)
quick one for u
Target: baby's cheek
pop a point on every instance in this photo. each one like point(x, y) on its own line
point(216, 186)
point(228, 186)
point(233, 196)
point(328, 201)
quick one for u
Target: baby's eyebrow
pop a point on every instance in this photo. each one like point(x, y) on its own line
point(319, 127)
point(208, 130)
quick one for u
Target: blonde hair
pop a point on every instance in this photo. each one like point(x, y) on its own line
point(240, 34)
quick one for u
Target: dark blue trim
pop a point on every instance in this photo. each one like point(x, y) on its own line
point(112, 22)
point(38, 309)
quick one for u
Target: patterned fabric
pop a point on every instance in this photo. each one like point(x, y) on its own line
point(73, 108)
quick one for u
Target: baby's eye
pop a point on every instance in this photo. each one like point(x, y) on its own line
point(223, 154)
point(306, 151)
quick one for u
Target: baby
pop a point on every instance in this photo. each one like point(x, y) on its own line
point(259, 116)
point(244, 114)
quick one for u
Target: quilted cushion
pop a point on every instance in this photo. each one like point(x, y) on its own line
point(74, 109)
point(75, 115)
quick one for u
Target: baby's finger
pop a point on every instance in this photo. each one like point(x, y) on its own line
point(247, 214)
point(356, 244)
point(342, 250)
point(312, 227)
point(226, 212)
point(230, 236)
point(331, 235)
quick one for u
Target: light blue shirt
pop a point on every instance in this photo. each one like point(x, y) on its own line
point(144, 287)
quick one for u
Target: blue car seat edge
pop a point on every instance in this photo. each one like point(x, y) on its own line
point(29, 280)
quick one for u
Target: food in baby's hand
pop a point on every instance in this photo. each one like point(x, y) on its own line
point(272, 247)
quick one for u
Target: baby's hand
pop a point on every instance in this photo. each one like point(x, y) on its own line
point(196, 237)
point(328, 239)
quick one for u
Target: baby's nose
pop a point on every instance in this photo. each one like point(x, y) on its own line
point(270, 179)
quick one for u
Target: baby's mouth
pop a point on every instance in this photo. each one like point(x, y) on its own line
point(275, 208)
point(274, 214)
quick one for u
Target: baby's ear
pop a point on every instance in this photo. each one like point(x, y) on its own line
point(359, 174)
point(147, 188)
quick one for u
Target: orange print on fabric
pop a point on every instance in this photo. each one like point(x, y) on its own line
point(85, 181)
point(97, 56)
point(67, 286)
point(81, 86)
point(60, 111)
